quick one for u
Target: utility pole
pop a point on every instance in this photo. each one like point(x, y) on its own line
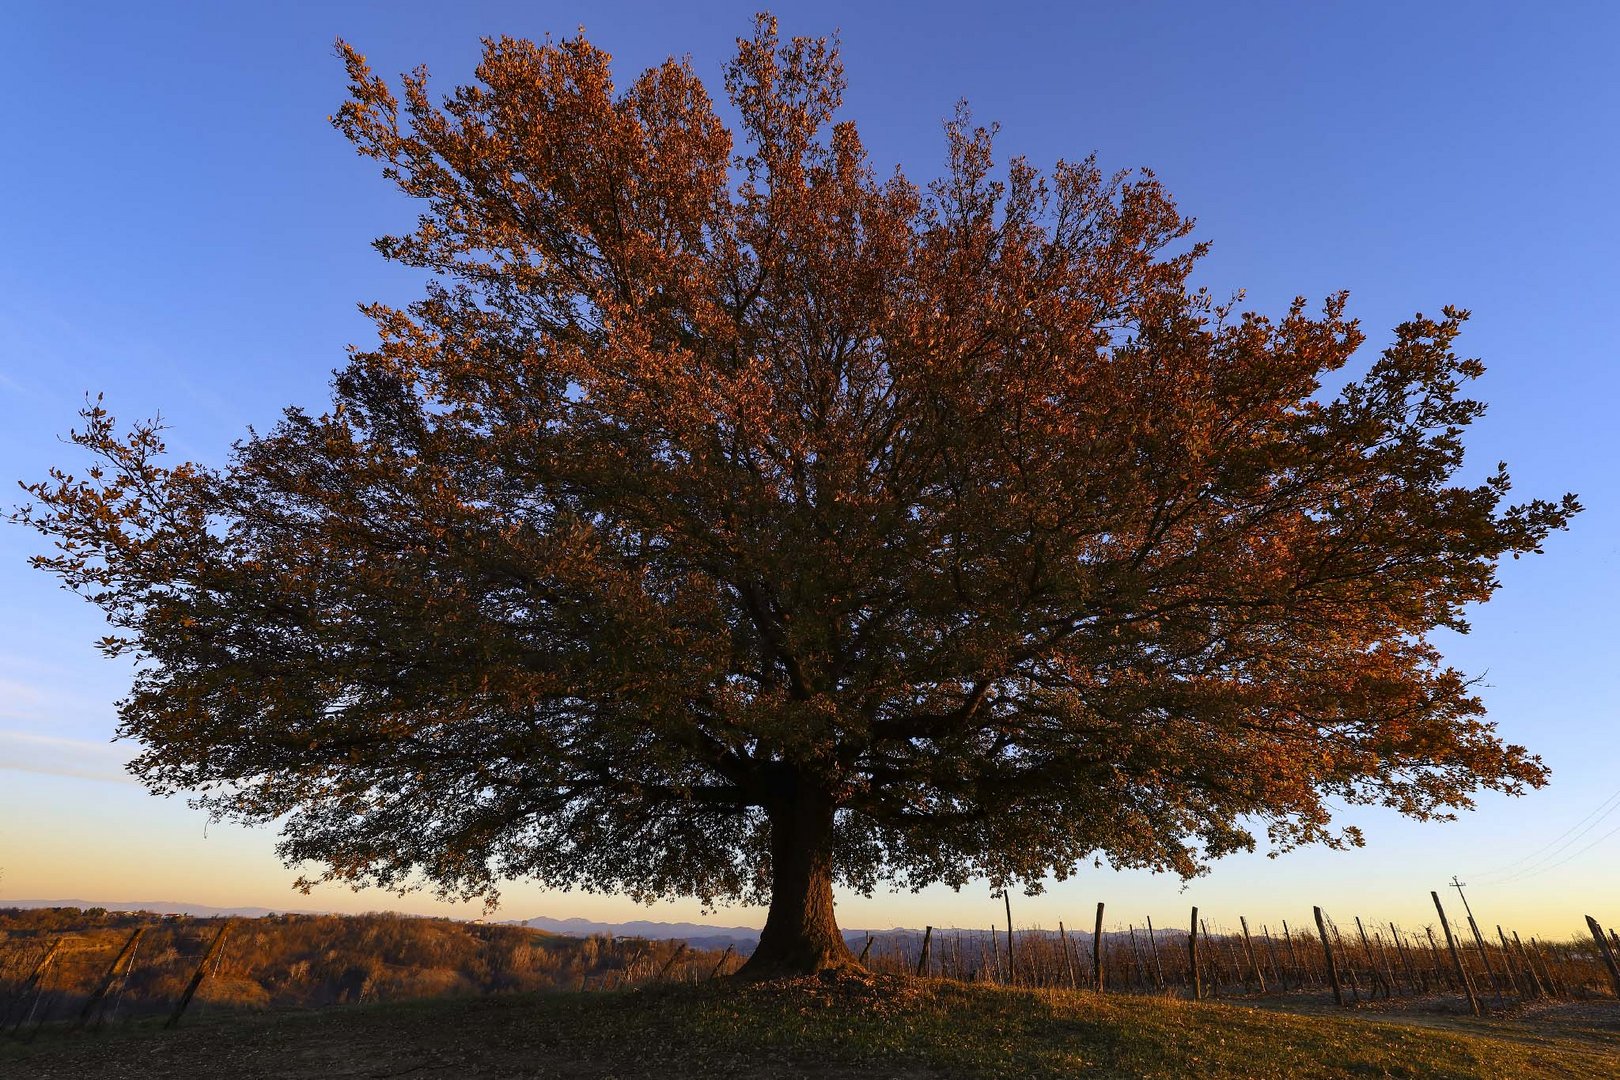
point(1479, 941)
point(1458, 885)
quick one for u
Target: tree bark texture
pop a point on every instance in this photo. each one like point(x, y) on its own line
point(801, 934)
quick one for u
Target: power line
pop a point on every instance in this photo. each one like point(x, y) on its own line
point(1559, 853)
point(1599, 809)
point(1582, 851)
point(1531, 863)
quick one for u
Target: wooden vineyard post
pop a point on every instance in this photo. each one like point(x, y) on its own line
point(1435, 965)
point(1543, 988)
point(715, 974)
point(1192, 958)
point(680, 950)
point(113, 970)
point(1406, 961)
point(1484, 957)
point(1012, 969)
point(1248, 947)
point(1271, 957)
point(922, 960)
point(1293, 954)
point(1237, 964)
point(1372, 963)
point(1347, 974)
point(197, 977)
point(1390, 978)
point(1096, 950)
point(33, 983)
point(1213, 952)
point(1327, 951)
point(1158, 962)
point(1607, 952)
point(1456, 957)
point(1559, 987)
point(1141, 967)
point(1389, 967)
point(1523, 982)
point(1519, 971)
point(1479, 939)
point(1068, 961)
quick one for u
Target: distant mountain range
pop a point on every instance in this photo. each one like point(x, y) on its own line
point(704, 936)
point(697, 935)
point(161, 907)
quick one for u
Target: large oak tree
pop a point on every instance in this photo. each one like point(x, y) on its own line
point(728, 519)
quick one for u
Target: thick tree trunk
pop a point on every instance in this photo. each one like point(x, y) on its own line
point(801, 933)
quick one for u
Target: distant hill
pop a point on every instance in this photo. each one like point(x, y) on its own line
point(699, 935)
point(696, 935)
point(275, 961)
point(159, 907)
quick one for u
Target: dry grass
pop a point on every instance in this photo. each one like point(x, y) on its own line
point(840, 1026)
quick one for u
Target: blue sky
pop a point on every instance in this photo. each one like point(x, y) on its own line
point(184, 232)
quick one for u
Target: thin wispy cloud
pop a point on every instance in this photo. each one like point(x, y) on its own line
point(13, 386)
point(36, 705)
point(51, 698)
point(53, 755)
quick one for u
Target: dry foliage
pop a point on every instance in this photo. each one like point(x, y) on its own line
point(728, 518)
point(286, 961)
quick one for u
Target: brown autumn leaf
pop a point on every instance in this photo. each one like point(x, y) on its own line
point(728, 519)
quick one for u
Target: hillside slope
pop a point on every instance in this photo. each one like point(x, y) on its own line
point(280, 961)
point(846, 1027)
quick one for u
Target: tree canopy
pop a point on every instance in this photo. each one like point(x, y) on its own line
point(728, 518)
